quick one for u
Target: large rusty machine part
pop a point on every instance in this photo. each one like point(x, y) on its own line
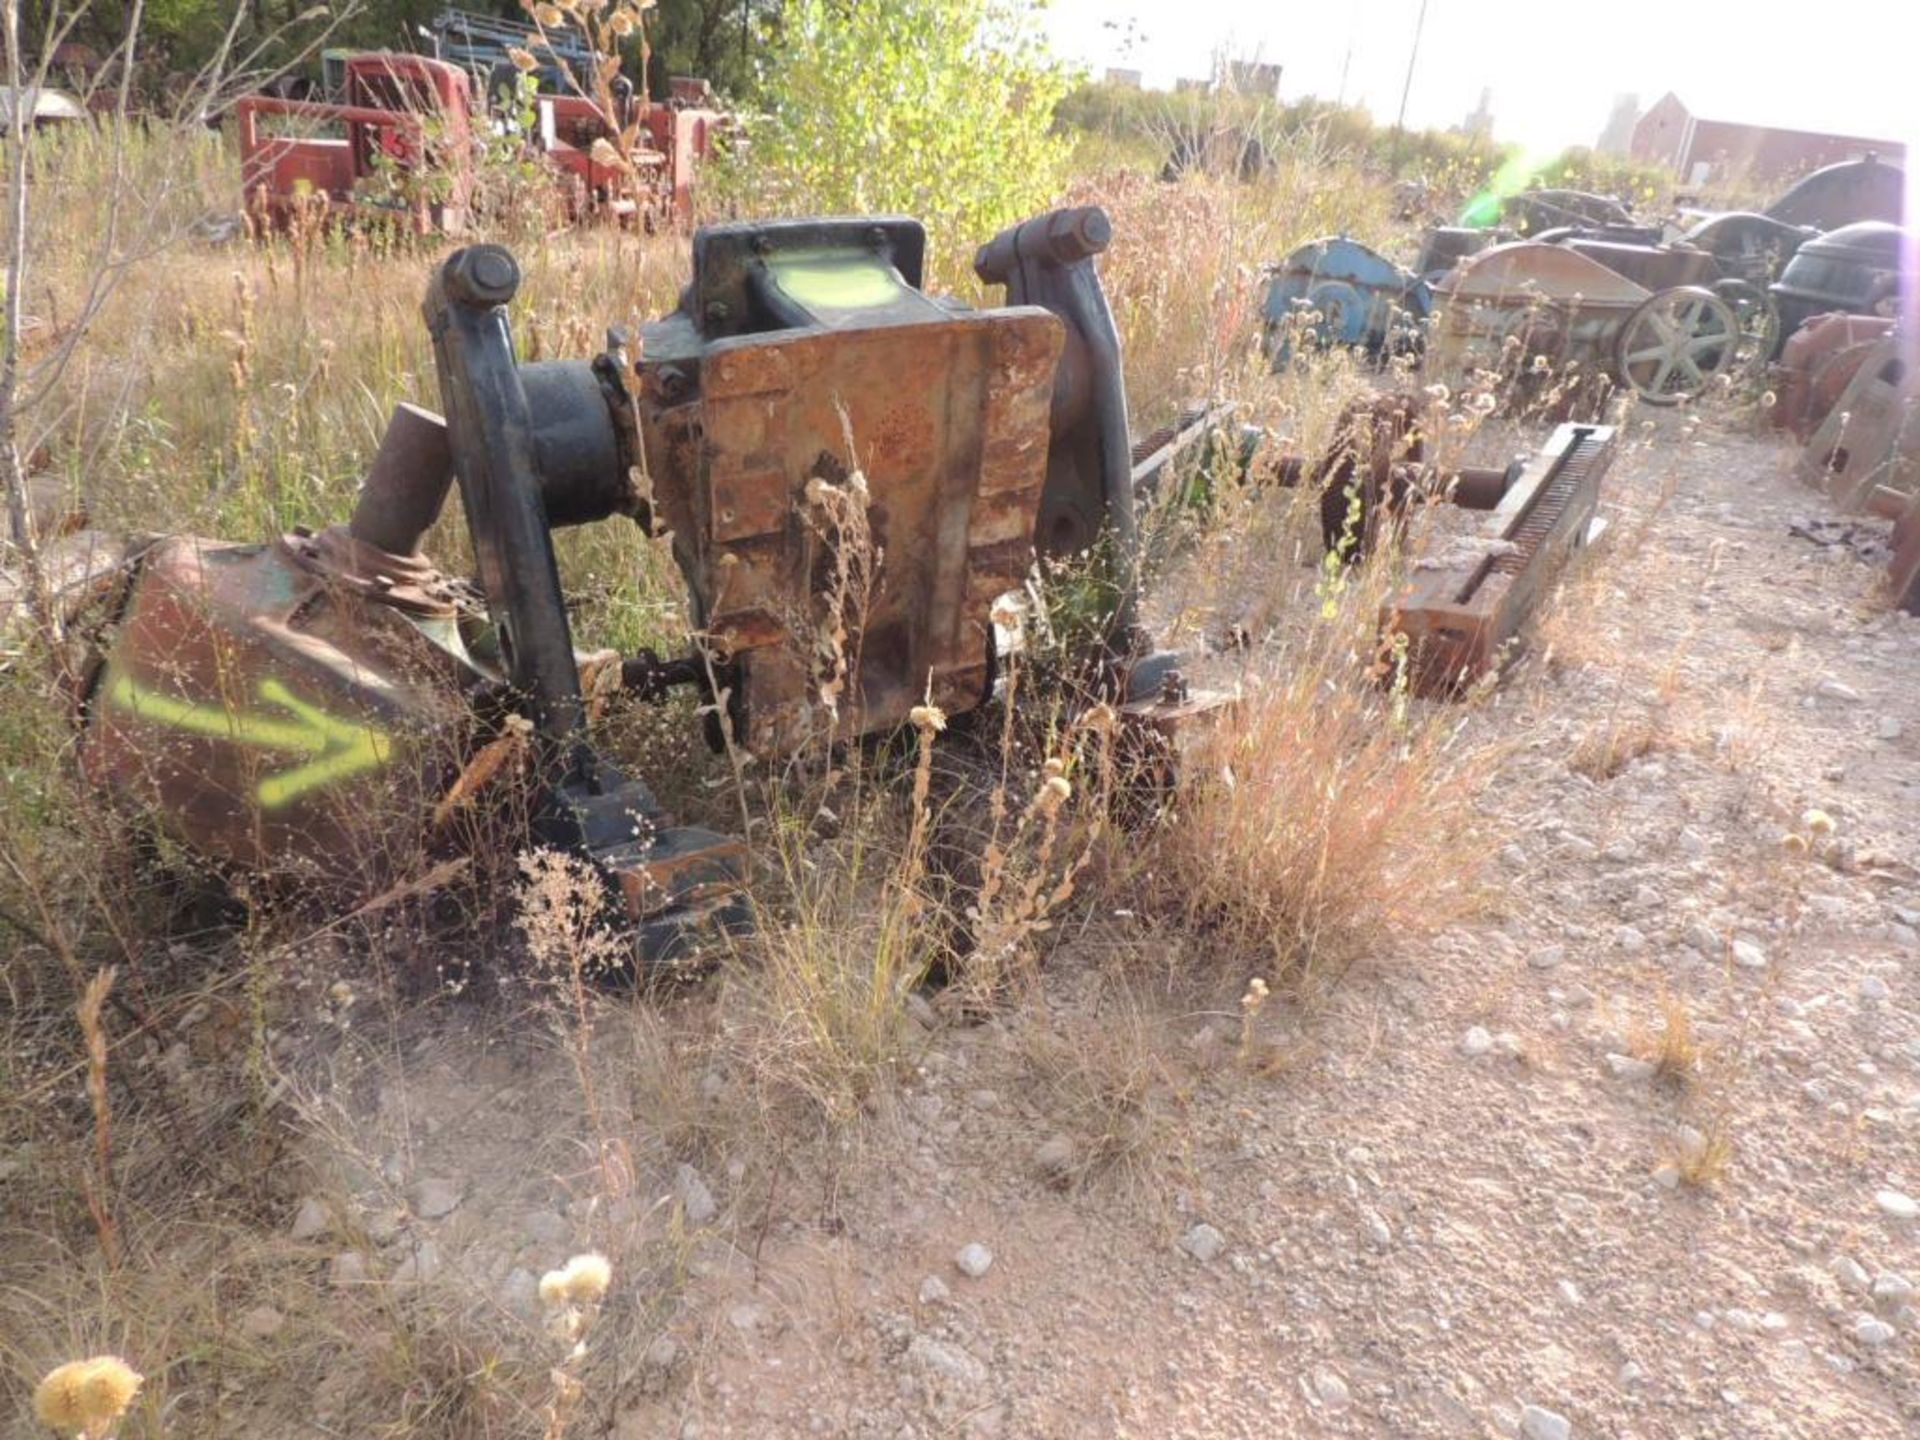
point(852, 473)
point(1088, 495)
point(1530, 301)
point(1462, 609)
point(1816, 365)
point(807, 383)
point(1866, 453)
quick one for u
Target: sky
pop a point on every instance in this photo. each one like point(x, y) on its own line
point(1554, 67)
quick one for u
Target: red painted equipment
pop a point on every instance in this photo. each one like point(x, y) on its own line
point(676, 139)
point(402, 147)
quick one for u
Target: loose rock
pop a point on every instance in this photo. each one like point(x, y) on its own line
point(1892, 1290)
point(520, 1292)
point(974, 1260)
point(1872, 1330)
point(1331, 1389)
point(1849, 1272)
point(310, 1221)
point(261, 1323)
point(1629, 1067)
point(1203, 1242)
point(421, 1264)
point(948, 1362)
point(1541, 1424)
point(1476, 1042)
point(1058, 1161)
point(696, 1200)
point(433, 1198)
point(1900, 1207)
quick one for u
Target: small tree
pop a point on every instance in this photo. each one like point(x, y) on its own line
point(941, 109)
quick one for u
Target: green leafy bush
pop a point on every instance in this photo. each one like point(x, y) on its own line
point(940, 109)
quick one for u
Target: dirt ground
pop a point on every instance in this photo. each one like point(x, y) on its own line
point(1483, 1186)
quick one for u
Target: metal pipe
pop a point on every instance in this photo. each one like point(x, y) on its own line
point(406, 484)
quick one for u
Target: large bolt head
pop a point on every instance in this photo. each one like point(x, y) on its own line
point(483, 275)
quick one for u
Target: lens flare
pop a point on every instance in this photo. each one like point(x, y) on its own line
point(1510, 179)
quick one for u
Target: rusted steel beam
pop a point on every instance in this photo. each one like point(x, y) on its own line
point(1463, 607)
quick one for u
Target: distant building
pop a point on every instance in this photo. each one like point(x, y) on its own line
point(1617, 138)
point(1250, 77)
point(1192, 87)
point(1479, 123)
point(1702, 151)
point(1125, 79)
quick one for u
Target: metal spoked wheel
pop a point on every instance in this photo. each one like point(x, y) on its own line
point(1675, 345)
point(1759, 321)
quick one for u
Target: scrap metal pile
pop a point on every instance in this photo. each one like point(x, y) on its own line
point(397, 140)
point(294, 706)
point(1569, 281)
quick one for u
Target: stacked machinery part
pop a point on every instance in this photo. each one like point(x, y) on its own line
point(1375, 469)
point(1844, 194)
point(334, 704)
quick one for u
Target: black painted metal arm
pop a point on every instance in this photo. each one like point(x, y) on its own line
point(491, 429)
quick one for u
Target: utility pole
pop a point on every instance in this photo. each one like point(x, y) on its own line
point(1400, 120)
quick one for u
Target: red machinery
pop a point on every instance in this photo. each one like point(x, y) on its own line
point(402, 145)
point(677, 138)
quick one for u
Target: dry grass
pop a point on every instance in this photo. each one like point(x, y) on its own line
point(1671, 1047)
point(1100, 1080)
point(1612, 745)
point(1701, 1157)
point(1327, 815)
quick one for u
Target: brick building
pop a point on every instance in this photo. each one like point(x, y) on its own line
point(1701, 152)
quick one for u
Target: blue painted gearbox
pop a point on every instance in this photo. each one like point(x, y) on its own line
point(1337, 292)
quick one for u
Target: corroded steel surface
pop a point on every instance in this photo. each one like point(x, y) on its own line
point(1816, 365)
point(1463, 609)
point(1543, 300)
point(1903, 571)
point(1652, 267)
point(1868, 448)
point(946, 424)
point(269, 718)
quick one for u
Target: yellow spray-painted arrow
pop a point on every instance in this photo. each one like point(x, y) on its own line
point(340, 748)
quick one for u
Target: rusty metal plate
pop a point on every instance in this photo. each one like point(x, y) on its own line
point(270, 720)
point(1870, 442)
point(1463, 608)
point(1525, 270)
point(947, 422)
point(1543, 300)
point(1816, 365)
point(1654, 267)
